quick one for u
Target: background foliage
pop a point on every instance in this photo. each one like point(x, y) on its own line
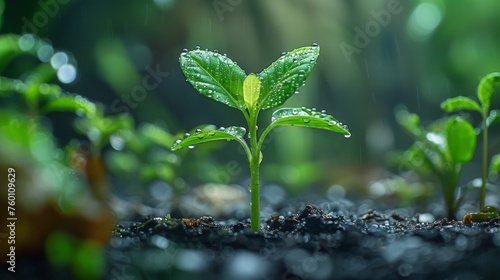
point(415, 53)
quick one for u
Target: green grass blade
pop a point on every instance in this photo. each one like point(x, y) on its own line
point(215, 76)
point(283, 77)
point(308, 118)
point(201, 136)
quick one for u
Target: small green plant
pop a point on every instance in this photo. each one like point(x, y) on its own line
point(485, 91)
point(218, 77)
point(441, 149)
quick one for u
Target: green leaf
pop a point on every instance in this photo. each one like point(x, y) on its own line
point(75, 104)
point(495, 164)
point(201, 136)
point(283, 77)
point(215, 76)
point(461, 140)
point(251, 91)
point(308, 118)
point(460, 103)
point(8, 85)
point(410, 122)
point(486, 87)
point(493, 118)
point(157, 135)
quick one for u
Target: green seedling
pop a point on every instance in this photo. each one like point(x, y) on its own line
point(441, 149)
point(485, 90)
point(218, 77)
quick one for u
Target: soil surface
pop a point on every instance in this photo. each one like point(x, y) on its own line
point(306, 244)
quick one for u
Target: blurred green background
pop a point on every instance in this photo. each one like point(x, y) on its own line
point(375, 56)
point(92, 98)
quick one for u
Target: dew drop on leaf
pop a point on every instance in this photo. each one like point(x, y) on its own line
point(191, 146)
point(198, 131)
point(187, 135)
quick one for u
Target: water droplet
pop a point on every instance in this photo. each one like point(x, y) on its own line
point(45, 52)
point(306, 120)
point(273, 119)
point(296, 92)
point(191, 146)
point(66, 73)
point(222, 128)
point(211, 133)
point(26, 42)
point(59, 59)
point(178, 141)
point(184, 51)
point(347, 135)
point(295, 111)
point(187, 135)
point(197, 48)
point(283, 53)
point(314, 45)
point(198, 131)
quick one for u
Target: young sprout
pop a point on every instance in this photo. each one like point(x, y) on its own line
point(441, 149)
point(485, 90)
point(218, 77)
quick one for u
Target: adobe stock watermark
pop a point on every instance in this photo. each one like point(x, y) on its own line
point(372, 28)
point(223, 6)
point(149, 82)
point(49, 9)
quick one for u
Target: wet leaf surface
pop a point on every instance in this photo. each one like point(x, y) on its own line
point(201, 136)
point(286, 75)
point(215, 76)
point(308, 118)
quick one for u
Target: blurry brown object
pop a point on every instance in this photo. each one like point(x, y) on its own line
point(39, 212)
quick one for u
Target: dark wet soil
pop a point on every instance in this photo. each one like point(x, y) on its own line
point(307, 244)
